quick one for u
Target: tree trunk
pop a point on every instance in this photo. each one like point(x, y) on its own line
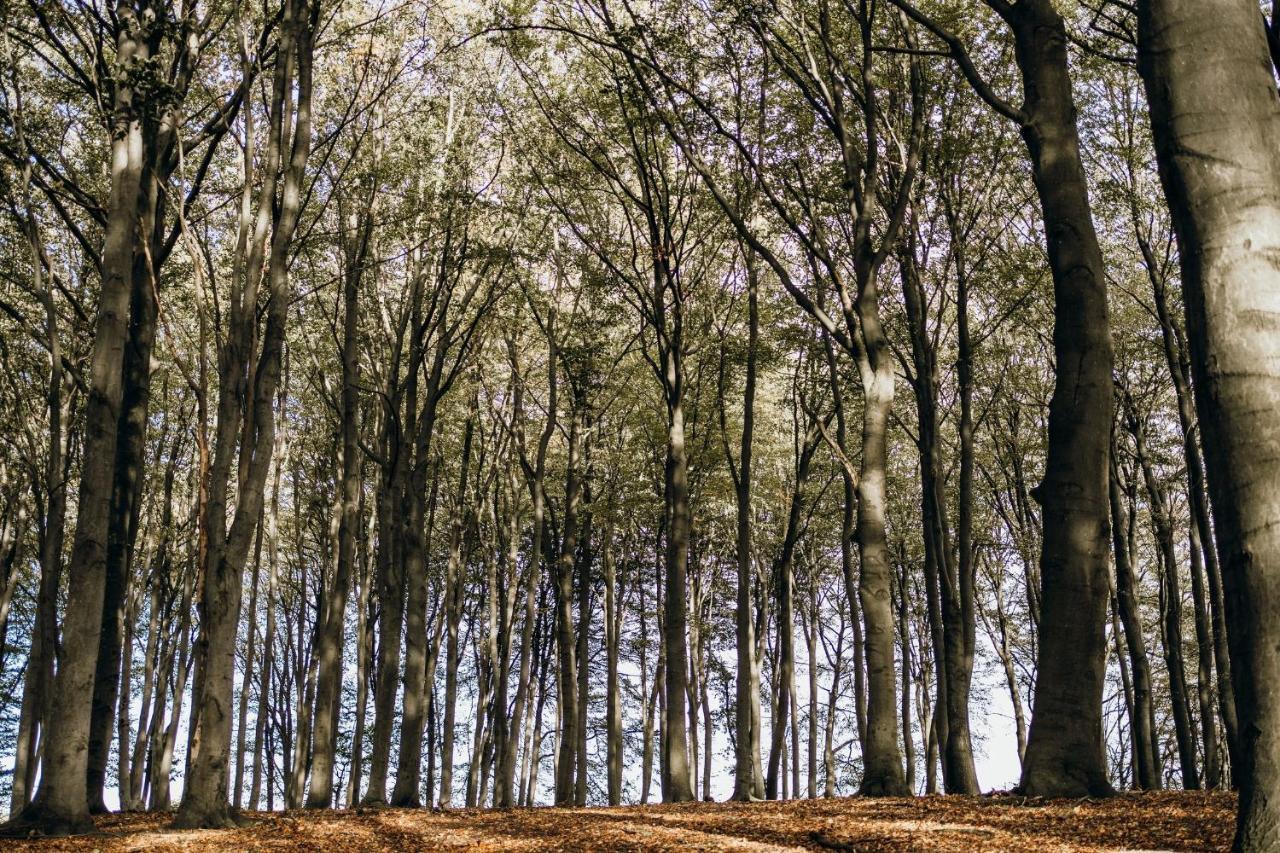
point(1218, 166)
point(329, 652)
point(1065, 752)
point(125, 505)
point(242, 723)
point(746, 772)
point(455, 584)
point(61, 805)
point(582, 564)
point(675, 775)
point(882, 759)
point(205, 802)
point(1147, 772)
point(566, 646)
point(614, 613)
point(1170, 604)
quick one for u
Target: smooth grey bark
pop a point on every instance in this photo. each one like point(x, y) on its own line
point(1147, 775)
point(205, 801)
point(1170, 601)
point(748, 778)
point(1220, 174)
point(566, 644)
point(329, 651)
point(454, 586)
point(60, 805)
point(125, 507)
point(614, 616)
point(1065, 752)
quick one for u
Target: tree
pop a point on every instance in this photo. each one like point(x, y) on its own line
point(1221, 190)
point(1065, 754)
point(247, 407)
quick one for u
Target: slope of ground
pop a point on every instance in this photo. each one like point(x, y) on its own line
point(1166, 821)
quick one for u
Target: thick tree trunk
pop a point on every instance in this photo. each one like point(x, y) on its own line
point(882, 759)
point(417, 643)
point(391, 598)
point(1222, 178)
point(61, 804)
point(1065, 752)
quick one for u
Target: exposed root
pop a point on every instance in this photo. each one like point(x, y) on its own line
point(40, 821)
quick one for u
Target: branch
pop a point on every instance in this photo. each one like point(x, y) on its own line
point(960, 54)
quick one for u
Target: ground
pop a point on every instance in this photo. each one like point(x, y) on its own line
point(1165, 821)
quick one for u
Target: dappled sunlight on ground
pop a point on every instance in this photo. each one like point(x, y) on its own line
point(1165, 821)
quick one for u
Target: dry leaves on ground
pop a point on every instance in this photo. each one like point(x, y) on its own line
point(1164, 821)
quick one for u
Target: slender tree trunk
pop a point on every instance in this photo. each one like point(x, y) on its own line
point(505, 793)
point(1210, 620)
point(566, 647)
point(37, 685)
point(205, 802)
point(904, 639)
point(329, 681)
point(1170, 604)
point(583, 566)
point(811, 641)
point(454, 586)
point(833, 695)
point(747, 775)
point(614, 613)
point(260, 732)
point(242, 724)
point(1147, 773)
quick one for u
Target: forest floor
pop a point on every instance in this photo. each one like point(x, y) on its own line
point(1132, 822)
